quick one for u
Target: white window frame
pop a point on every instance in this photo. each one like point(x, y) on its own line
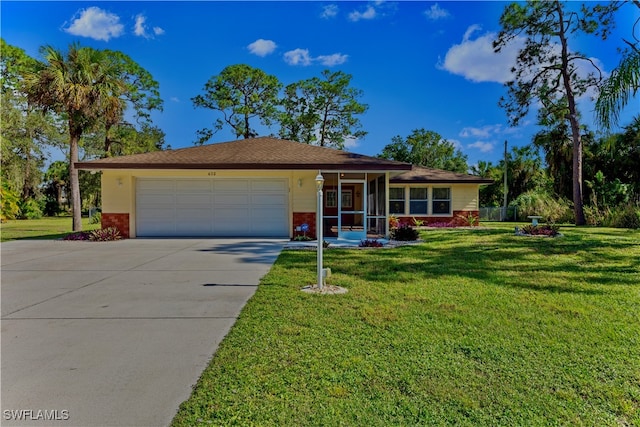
point(426, 200)
point(434, 200)
point(404, 200)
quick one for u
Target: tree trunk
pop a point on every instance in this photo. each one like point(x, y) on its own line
point(578, 208)
point(76, 207)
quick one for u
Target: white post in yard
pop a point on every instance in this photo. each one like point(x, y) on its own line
point(319, 185)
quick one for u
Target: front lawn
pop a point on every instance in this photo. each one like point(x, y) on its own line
point(44, 228)
point(471, 327)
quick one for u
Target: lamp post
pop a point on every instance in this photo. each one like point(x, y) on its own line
point(319, 185)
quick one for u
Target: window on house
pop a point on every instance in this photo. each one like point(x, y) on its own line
point(418, 202)
point(331, 199)
point(441, 201)
point(396, 201)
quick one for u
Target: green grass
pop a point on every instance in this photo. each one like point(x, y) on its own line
point(45, 228)
point(471, 327)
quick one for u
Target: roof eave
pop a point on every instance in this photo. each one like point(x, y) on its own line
point(97, 165)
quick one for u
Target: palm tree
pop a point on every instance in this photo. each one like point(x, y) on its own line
point(84, 87)
point(621, 85)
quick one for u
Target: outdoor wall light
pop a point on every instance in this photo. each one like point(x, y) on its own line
point(299, 182)
point(119, 181)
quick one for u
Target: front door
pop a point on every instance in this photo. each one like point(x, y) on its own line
point(352, 209)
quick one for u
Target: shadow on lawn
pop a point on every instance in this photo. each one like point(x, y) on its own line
point(574, 263)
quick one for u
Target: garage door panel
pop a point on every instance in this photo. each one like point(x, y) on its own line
point(268, 199)
point(194, 199)
point(231, 199)
point(157, 199)
point(155, 185)
point(273, 185)
point(212, 207)
point(193, 186)
point(231, 185)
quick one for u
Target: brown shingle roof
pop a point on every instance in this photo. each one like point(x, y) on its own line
point(254, 153)
point(420, 175)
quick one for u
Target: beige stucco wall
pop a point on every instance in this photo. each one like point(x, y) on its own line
point(464, 197)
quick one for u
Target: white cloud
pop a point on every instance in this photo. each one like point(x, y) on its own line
point(368, 13)
point(329, 11)
point(435, 12)
point(303, 58)
point(95, 23)
point(140, 28)
point(297, 57)
point(350, 143)
point(475, 59)
point(483, 132)
point(482, 146)
point(174, 99)
point(262, 47)
point(331, 60)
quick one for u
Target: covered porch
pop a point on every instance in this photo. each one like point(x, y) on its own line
point(354, 205)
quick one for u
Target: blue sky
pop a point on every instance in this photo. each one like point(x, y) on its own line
point(419, 64)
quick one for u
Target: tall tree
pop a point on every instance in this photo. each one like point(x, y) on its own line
point(322, 110)
point(241, 93)
point(25, 132)
point(91, 89)
point(426, 148)
point(546, 70)
point(142, 94)
point(624, 81)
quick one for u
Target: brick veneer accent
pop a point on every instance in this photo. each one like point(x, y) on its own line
point(431, 219)
point(300, 218)
point(117, 220)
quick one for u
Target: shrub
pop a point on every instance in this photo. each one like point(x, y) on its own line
point(78, 235)
point(405, 232)
point(552, 209)
point(468, 220)
point(30, 209)
point(393, 222)
point(302, 238)
point(541, 230)
point(105, 235)
point(417, 222)
point(96, 218)
point(626, 216)
point(8, 202)
point(370, 243)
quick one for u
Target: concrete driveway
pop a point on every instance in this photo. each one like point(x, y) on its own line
point(117, 333)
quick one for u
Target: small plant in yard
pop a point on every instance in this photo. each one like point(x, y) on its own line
point(78, 235)
point(540, 230)
point(101, 235)
point(469, 220)
point(105, 235)
point(405, 232)
point(393, 222)
point(303, 238)
point(370, 243)
point(417, 222)
point(96, 218)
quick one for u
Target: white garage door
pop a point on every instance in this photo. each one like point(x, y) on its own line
point(212, 207)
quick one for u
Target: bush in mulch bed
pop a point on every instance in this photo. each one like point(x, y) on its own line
point(538, 230)
point(103, 235)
